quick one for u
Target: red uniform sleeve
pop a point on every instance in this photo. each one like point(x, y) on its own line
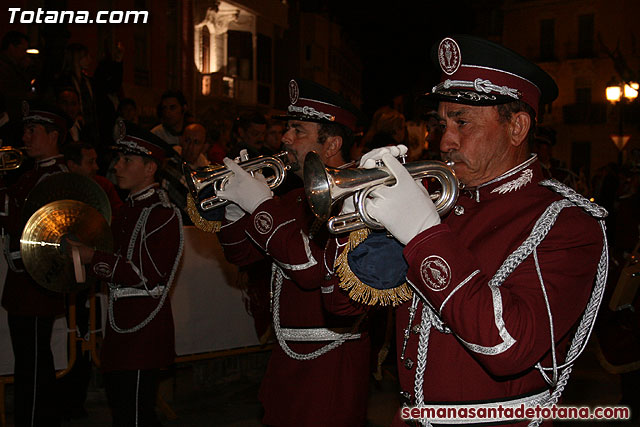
point(237, 247)
point(153, 257)
point(278, 227)
point(506, 327)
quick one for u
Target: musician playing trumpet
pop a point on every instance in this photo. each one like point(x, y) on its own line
point(501, 281)
point(318, 372)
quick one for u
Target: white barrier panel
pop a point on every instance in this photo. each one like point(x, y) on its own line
point(58, 339)
point(208, 311)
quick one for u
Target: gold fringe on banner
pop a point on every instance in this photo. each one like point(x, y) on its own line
point(361, 292)
point(198, 221)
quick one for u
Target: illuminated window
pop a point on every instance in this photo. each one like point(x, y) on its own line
point(211, 36)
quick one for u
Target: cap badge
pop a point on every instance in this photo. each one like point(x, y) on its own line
point(121, 130)
point(25, 108)
point(449, 56)
point(294, 92)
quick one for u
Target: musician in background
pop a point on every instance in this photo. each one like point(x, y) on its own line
point(82, 158)
point(32, 309)
point(318, 373)
point(489, 313)
point(139, 339)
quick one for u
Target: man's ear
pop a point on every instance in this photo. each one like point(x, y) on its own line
point(71, 165)
point(519, 127)
point(150, 168)
point(332, 146)
point(53, 137)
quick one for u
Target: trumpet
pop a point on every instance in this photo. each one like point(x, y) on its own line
point(324, 186)
point(10, 158)
point(204, 183)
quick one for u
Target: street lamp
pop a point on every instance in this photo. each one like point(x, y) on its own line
point(620, 93)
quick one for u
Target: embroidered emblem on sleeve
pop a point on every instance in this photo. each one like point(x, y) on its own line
point(263, 222)
point(524, 178)
point(435, 273)
point(102, 269)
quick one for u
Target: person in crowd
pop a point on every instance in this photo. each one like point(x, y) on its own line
point(139, 339)
point(193, 145)
point(31, 308)
point(273, 137)
point(543, 142)
point(69, 101)
point(318, 372)
point(434, 135)
point(172, 112)
point(128, 110)
point(249, 131)
point(387, 127)
point(501, 281)
point(416, 140)
point(220, 131)
point(82, 158)
point(75, 74)
point(15, 78)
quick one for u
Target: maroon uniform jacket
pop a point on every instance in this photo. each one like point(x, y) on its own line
point(22, 295)
point(332, 388)
point(147, 234)
point(485, 337)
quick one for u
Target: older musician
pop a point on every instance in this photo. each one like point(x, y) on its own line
point(499, 283)
point(31, 308)
point(318, 373)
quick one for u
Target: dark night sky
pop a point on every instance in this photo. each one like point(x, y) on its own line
point(394, 39)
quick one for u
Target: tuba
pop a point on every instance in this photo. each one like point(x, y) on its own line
point(324, 186)
point(10, 158)
point(204, 183)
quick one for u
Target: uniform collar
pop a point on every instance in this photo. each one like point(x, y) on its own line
point(514, 180)
point(143, 194)
point(49, 161)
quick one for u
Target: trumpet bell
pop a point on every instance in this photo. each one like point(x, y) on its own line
point(317, 186)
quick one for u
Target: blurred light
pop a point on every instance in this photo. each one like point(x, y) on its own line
point(614, 93)
point(33, 51)
point(206, 85)
point(631, 90)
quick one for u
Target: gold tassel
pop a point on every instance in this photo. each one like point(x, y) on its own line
point(361, 292)
point(198, 221)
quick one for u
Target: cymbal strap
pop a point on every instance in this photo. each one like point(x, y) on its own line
point(78, 267)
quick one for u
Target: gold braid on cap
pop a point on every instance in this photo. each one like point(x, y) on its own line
point(198, 221)
point(359, 291)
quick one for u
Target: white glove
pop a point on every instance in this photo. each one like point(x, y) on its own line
point(369, 159)
point(243, 189)
point(405, 209)
point(233, 212)
point(348, 206)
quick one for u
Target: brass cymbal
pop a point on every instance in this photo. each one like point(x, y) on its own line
point(42, 247)
point(67, 185)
